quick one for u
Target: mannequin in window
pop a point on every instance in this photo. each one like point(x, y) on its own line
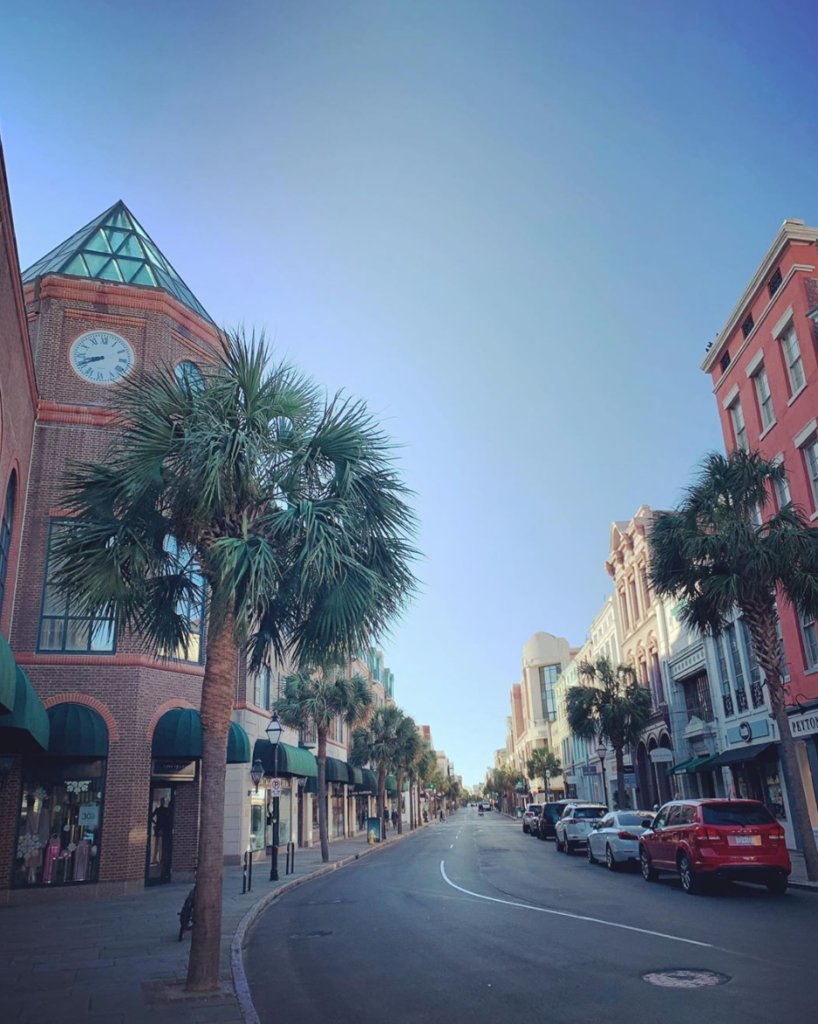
point(161, 827)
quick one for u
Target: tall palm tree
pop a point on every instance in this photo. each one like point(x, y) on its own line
point(425, 764)
point(712, 553)
point(543, 760)
point(610, 704)
point(308, 701)
point(405, 753)
point(286, 504)
point(376, 744)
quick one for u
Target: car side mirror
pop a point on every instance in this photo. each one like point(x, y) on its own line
point(647, 823)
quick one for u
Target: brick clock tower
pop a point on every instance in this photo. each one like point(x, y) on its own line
point(114, 802)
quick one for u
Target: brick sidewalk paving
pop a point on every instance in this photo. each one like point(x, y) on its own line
point(101, 961)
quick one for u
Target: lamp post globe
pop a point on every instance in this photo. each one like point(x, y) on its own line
point(257, 773)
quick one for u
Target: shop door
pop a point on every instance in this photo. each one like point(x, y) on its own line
point(160, 835)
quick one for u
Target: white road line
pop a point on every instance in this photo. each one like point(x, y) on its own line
point(575, 917)
point(451, 847)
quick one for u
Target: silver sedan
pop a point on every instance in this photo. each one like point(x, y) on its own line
point(614, 839)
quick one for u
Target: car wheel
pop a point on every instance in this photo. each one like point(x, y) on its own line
point(777, 886)
point(591, 857)
point(569, 847)
point(691, 882)
point(610, 862)
point(649, 873)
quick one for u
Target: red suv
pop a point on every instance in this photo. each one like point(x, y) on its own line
point(704, 840)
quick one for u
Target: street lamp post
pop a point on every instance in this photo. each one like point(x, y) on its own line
point(274, 735)
point(601, 752)
point(547, 777)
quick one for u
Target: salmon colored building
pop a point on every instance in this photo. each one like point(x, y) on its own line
point(764, 369)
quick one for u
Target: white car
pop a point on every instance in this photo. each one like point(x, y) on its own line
point(575, 823)
point(615, 837)
point(531, 811)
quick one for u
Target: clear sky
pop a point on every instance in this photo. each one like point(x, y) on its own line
point(511, 226)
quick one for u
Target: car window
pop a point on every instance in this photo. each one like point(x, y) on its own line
point(687, 815)
point(534, 808)
point(736, 814)
point(674, 816)
point(551, 812)
point(607, 822)
point(661, 818)
point(632, 818)
point(589, 813)
point(566, 812)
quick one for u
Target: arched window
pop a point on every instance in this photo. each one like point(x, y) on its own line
point(6, 530)
point(188, 375)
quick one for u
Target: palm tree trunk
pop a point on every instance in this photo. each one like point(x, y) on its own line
point(620, 777)
point(322, 794)
point(400, 803)
point(218, 688)
point(761, 622)
point(381, 796)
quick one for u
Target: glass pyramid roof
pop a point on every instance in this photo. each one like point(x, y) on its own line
point(115, 247)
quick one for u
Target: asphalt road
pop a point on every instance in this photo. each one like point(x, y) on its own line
point(390, 939)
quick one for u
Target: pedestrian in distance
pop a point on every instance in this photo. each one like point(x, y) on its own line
point(441, 814)
point(386, 819)
point(394, 820)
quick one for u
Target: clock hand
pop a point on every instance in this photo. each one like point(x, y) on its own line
point(92, 359)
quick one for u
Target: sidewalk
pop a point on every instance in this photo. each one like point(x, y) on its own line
point(109, 961)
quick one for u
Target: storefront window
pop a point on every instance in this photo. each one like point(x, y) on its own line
point(258, 823)
point(337, 810)
point(285, 817)
point(60, 827)
point(774, 792)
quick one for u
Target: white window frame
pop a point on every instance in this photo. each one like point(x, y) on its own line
point(764, 396)
point(782, 487)
point(791, 350)
point(736, 417)
point(810, 450)
point(809, 635)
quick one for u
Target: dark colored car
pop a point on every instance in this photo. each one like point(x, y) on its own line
point(704, 840)
point(543, 827)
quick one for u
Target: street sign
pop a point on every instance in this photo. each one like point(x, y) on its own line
point(589, 769)
point(275, 787)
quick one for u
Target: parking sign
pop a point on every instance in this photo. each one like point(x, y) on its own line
point(275, 787)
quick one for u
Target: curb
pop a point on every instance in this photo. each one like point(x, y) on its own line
point(804, 886)
point(240, 983)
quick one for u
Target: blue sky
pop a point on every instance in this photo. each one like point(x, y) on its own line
point(511, 226)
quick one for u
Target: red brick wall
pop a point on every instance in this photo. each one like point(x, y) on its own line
point(185, 829)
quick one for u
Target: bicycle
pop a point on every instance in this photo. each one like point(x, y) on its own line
point(186, 913)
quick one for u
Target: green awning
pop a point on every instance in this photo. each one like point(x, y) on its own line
point(689, 767)
point(178, 735)
point(336, 771)
point(238, 745)
point(391, 784)
point(370, 781)
point(292, 761)
point(8, 677)
point(28, 715)
point(356, 776)
point(743, 755)
point(77, 731)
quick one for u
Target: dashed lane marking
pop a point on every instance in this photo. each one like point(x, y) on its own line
point(576, 917)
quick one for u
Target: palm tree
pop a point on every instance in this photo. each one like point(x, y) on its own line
point(712, 554)
point(288, 506)
point(405, 753)
point(376, 744)
point(543, 760)
point(611, 705)
point(424, 769)
point(308, 701)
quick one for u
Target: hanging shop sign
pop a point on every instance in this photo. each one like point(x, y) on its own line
point(88, 815)
point(661, 755)
point(805, 724)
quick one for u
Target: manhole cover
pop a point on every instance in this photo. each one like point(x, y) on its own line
point(686, 978)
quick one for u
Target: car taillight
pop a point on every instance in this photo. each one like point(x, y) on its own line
point(572, 821)
point(709, 835)
point(627, 835)
point(776, 833)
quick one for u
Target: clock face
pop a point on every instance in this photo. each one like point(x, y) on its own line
point(101, 357)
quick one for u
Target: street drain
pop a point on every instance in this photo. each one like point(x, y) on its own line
point(686, 978)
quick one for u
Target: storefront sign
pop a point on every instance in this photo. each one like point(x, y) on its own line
point(589, 769)
point(804, 724)
point(745, 730)
point(174, 771)
point(661, 755)
point(89, 815)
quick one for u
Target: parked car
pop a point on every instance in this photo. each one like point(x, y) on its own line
point(531, 811)
point(544, 826)
point(575, 823)
point(614, 838)
point(705, 840)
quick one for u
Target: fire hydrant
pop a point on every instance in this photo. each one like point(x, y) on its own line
point(371, 839)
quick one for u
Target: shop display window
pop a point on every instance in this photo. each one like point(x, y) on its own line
point(60, 826)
